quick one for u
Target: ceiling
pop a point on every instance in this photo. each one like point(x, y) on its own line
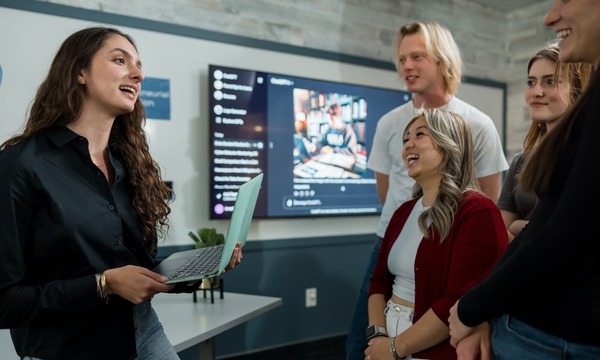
point(507, 5)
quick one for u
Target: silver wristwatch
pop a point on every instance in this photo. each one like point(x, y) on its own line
point(374, 331)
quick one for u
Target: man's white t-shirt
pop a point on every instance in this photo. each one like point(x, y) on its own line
point(386, 151)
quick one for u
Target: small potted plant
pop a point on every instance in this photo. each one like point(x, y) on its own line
point(204, 237)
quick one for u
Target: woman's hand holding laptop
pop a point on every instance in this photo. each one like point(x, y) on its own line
point(191, 286)
point(236, 257)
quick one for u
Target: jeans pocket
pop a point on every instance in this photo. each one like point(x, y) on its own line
point(513, 339)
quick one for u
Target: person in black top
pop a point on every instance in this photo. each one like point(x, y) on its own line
point(82, 206)
point(542, 299)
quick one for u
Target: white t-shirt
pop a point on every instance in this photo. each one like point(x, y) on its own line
point(401, 259)
point(386, 152)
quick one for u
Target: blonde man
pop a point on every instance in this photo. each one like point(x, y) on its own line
point(429, 62)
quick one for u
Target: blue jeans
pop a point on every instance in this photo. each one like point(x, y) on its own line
point(356, 342)
point(150, 339)
point(514, 339)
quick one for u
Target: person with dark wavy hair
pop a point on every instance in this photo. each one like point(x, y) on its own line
point(82, 204)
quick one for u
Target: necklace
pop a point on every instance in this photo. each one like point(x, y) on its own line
point(99, 152)
point(96, 156)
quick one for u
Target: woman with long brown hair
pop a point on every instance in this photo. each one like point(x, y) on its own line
point(82, 205)
point(552, 86)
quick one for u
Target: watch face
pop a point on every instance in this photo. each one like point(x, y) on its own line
point(370, 331)
point(375, 330)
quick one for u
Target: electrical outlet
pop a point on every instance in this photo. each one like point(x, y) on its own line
point(311, 297)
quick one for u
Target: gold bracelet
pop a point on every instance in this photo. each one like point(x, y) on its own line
point(102, 289)
point(98, 289)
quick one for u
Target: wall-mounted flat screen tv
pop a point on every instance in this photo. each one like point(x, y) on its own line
point(311, 139)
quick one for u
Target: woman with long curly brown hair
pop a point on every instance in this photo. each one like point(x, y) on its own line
point(82, 205)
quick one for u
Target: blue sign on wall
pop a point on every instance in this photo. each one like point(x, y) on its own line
point(0, 74)
point(156, 97)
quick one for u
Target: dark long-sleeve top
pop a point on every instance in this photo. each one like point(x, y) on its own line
point(61, 224)
point(549, 276)
point(444, 271)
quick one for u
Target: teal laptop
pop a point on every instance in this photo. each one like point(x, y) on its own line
point(196, 264)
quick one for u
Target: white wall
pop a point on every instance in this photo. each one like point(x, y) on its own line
point(180, 144)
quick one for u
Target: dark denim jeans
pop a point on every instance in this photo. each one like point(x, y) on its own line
point(514, 339)
point(356, 343)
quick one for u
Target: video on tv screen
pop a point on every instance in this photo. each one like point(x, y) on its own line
point(311, 139)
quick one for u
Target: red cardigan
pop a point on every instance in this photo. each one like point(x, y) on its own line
point(443, 272)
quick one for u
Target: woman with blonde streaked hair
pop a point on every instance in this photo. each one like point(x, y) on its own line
point(437, 245)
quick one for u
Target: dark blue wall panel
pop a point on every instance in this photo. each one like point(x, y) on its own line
point(285, 268)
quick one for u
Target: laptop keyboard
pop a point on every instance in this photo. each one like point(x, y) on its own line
point(205, 262)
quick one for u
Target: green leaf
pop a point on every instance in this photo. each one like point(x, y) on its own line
point(207, 237)
point(194, 237)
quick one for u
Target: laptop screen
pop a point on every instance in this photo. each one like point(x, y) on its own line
point(241, 217)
